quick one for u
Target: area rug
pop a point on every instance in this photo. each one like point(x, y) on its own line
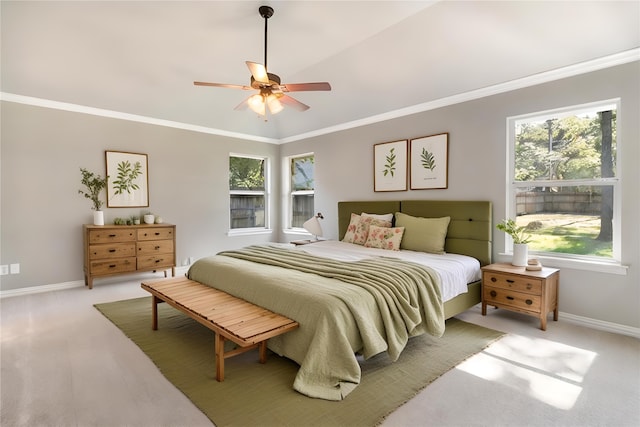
point(255, 394)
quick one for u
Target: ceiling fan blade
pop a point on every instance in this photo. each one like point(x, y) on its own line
point(305, 87)
point(292, 102)
point(223, 85)
point(258, 71)
point(243, 105)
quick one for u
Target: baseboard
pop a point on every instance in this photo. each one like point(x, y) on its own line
point(616, 328)
point(180, 271)
point(40, 289)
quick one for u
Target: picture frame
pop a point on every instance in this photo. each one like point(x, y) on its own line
point(390, 166)
point(429, 162)
point(128, 179)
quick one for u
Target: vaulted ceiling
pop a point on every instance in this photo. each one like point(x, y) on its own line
point(141, 58)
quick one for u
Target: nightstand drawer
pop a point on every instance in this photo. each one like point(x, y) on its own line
point(512, 282)
point(516, 300)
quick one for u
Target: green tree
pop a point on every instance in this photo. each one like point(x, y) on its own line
point(246, 173)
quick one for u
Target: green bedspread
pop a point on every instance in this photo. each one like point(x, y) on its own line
point(366, 306)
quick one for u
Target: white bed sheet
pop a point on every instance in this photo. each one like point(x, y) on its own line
point(455, 271)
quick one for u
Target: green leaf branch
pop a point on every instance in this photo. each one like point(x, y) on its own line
point(518, 234)
point(94, 185)
point(428, 160)
point(390, 165)
point(127, 174)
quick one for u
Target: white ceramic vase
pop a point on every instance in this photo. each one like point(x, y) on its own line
point(149, 219)
point(98, 218)
point(520, 254)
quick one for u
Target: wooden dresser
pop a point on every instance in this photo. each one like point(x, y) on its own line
point(111, 250)
point(516, 289)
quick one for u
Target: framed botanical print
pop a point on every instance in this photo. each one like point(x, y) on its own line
point(429, 162)
point(128, 183)
point(390, 166)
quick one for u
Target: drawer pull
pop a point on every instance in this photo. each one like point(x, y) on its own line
point(112, 266)
point(529, 302)
point(112, 250)
point(529, 286)
point(157, 247)
point(158, 260)
point(510, 298)
point(112, 235)
point(510, 281)
point(157, 234)
point(493, 279)
point(493, 293)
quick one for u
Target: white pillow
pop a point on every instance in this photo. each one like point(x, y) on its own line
point(382, 217)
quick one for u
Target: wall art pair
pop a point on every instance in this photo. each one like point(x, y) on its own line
point(423, 160)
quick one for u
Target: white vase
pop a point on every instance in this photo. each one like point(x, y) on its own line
point(520, 254)
point(98, 218)
point(149, 219)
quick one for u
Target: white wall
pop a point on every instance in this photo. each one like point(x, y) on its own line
point(477, 171)
point(42, 212)
point(43, 149)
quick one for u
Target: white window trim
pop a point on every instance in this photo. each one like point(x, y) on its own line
point(577, 262)
point(267, 200)
point(287, 196)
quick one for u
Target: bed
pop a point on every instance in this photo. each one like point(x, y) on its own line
point(349, 304)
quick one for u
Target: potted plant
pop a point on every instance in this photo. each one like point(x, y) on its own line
point(94, 185)
point(520, 237)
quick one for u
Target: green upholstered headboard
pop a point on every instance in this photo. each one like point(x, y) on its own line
point(469, 232)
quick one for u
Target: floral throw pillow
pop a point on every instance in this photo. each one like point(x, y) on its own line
point(362, 229)
point(384, 238)
point(350, 234)
point(358, 228)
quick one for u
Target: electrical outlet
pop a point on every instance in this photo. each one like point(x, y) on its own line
point(14, 268)
point(4, 269)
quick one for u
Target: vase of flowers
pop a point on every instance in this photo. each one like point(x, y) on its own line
point(520, 237)
point(94, 185)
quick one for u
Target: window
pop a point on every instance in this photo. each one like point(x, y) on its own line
point(301, 189)
point(247, 192)
point(564, 182)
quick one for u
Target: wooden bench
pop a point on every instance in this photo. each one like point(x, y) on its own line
point(235, 319)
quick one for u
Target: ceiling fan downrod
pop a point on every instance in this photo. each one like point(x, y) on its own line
point(266, 12)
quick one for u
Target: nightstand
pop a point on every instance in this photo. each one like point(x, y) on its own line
point(513, 288)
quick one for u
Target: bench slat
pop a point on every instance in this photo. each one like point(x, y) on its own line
point(240, 321)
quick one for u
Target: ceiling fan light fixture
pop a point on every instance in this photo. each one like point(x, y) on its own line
point(274, 104)
point(257, 104)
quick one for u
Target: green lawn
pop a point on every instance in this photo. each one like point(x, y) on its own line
point(567, 233)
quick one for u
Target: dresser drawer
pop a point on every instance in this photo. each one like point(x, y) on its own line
point(511, 282)
point(152, 247)
point(116, 250)
point(155, 233)
point(112, 235)
point(516, 300)
point(155, 262)
point(118, 265)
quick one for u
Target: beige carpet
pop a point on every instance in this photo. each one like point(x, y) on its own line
point(254, 394)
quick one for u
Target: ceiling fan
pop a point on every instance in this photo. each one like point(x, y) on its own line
point(271, 92)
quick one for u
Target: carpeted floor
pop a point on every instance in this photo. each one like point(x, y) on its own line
point(256, 394)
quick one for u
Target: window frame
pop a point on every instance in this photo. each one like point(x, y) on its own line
point(289, 193)
point(581, 262)
point(266, 193)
